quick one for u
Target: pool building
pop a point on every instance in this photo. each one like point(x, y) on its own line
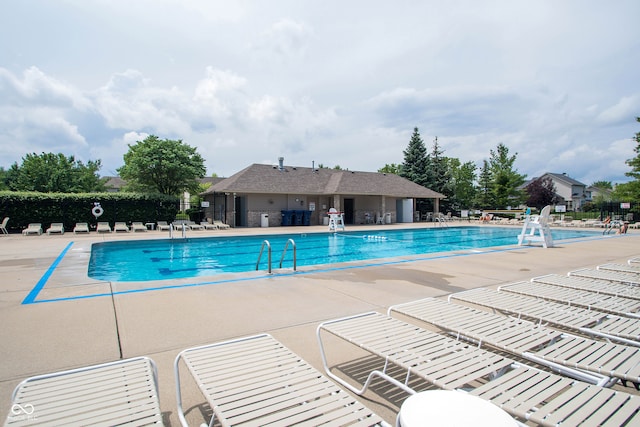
point(257, 196)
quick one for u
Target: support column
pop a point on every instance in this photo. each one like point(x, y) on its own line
point(436, 206)
point(336, 202)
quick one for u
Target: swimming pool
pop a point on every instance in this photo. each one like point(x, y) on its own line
point(166, 259)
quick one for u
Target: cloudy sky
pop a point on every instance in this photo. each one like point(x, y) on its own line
point(330, 82)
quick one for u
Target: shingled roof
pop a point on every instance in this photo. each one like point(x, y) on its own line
point(268, 179)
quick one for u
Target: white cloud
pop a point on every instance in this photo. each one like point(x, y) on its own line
point(333, 82)
point(37, 88)
point(624, 110)
point(286, 37)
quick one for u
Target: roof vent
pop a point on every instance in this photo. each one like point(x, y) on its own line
point(281, 163)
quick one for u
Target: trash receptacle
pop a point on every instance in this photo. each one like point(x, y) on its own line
point(298, 217)
point(306, 217)
point(264, 220)
point(387, 218)
point(325, 220)
point(286, 217)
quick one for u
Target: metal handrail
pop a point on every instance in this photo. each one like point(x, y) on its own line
point(285, 250)
point(266, 242)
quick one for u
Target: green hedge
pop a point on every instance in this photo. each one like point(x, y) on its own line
point(23, 208)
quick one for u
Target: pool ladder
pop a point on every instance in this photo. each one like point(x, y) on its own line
point(284, 251)
point(184, 231)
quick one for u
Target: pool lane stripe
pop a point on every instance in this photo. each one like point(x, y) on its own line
point(30, 299)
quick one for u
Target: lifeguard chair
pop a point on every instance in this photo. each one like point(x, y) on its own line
point(336, 220)
point(536, 229)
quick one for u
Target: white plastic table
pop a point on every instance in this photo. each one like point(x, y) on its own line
point(451, 409)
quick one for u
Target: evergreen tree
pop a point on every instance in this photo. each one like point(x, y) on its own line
point(484, 194)
point(440, 177)
point(415, 166)
point(505, 179)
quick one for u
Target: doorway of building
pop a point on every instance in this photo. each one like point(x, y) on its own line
point(348, 211)
point(240, 210)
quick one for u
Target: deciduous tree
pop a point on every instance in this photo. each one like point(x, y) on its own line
point(162, 165)
point(542, 192)
point(54, 173)
point(630, 191)
point(464, 191)
point(393, 168)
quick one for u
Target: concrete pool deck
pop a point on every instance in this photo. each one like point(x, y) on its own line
point(65, 333)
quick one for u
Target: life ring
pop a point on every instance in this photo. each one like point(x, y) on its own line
point(97, 211)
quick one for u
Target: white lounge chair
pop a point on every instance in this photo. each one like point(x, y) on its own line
point(163, 226)
point(33, 228)
point(606, 303)
point(563, 316)
point(81, 227)
point(120, 226)
point(258, 381)
point(598, 286)
point(103, 227)
point(192, 225)
point(435, 358)
point(598, 362)
point(523, 392)
point(628, 277)
point(3, 226)
point(209, 226)
point(56, 228)
point(138, 226)
point(116, 393)
point(221, 225)
point(629, 267)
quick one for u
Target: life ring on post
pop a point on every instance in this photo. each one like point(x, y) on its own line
point(97, 210)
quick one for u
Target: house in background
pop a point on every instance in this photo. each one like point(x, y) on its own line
point(114, 184)
point(262, 192)
point(571, 193)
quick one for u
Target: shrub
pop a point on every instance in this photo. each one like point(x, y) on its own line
point(25, 207)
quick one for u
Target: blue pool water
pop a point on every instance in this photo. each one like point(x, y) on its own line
point(145, 260)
